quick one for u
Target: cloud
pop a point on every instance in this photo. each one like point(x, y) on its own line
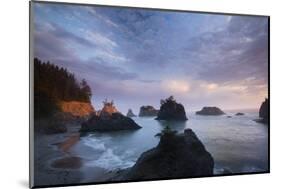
point(129, 54)
point(176, 86)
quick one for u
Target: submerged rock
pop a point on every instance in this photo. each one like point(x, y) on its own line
point(239, 114)
point(176, 156)
point(147, 111)
point(171, 110)
point(113, 122)
point(130, 113)
point(210, 111)
point(263, 112)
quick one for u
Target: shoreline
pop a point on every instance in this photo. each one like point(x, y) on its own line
point(54, 163)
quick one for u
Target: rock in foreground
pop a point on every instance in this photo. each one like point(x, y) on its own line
point(147, 111)
point(210, 111)
point(113, 122)
point(171, 110)
point(263, 112)
point(130, 113)
point(176, 156)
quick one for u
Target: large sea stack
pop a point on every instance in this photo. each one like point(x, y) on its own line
point(147, 111)
point(171, 110)
point(263, 112)
point(108, 119)
point(210, 111)
point(176, 156)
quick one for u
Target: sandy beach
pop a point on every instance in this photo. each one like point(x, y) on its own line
point(55, 164)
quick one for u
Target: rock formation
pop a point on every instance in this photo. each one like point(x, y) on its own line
point(263, 112)
point(239, 114)
point(176, 156)
point(109, 119)
point(114, 122)
point(171, 110)
point(108, 109)
point(146, 111)
point(130, 113)
point(210, 111)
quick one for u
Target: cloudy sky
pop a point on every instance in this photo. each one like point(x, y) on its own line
point(136, 57)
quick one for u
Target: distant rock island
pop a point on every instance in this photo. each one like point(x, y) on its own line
point(171, 110)
point(148, 111)
point(176, 156)
point(130, 113)
point(210, 111)
point(263, 112)
point(239, 114)
point(108, 119)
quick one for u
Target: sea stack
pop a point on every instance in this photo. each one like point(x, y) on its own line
point(176, 156)
point(210, 111)
point(147, 111)
point(263, 112)
point(171, 110)
point(239, 114)
point(108, 119)
point(130, 113)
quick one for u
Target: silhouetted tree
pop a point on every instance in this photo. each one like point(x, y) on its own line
point(53, 83)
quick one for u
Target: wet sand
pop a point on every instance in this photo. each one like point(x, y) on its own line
point(55, 164)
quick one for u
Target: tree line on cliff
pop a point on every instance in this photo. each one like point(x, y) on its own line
point(53, 84)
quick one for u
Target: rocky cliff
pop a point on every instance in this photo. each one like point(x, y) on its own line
point(263, 112)
point(76, 108)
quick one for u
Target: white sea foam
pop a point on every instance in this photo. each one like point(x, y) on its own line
point(94, 143)
point(107, 159)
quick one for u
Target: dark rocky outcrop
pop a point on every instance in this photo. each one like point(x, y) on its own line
point(108, 119)
point(229, 116)
point(147, 111)
point(130, 113)
point(53, 125)
point(263, 112)
point(171, 110)
point(176, 156)
point(210, 111)
point(239, 114)
point(113, 122)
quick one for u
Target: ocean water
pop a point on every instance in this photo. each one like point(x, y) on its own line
point(237, 144)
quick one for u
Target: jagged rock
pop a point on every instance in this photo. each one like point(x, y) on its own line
point(239, 114)
point(210, 111)
point(176, 156)
point(171, 110)
point(113, 122)
point(130, 113)
point(147, 111)
point(108, 119)
point(263, 112)
point(108, 109)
